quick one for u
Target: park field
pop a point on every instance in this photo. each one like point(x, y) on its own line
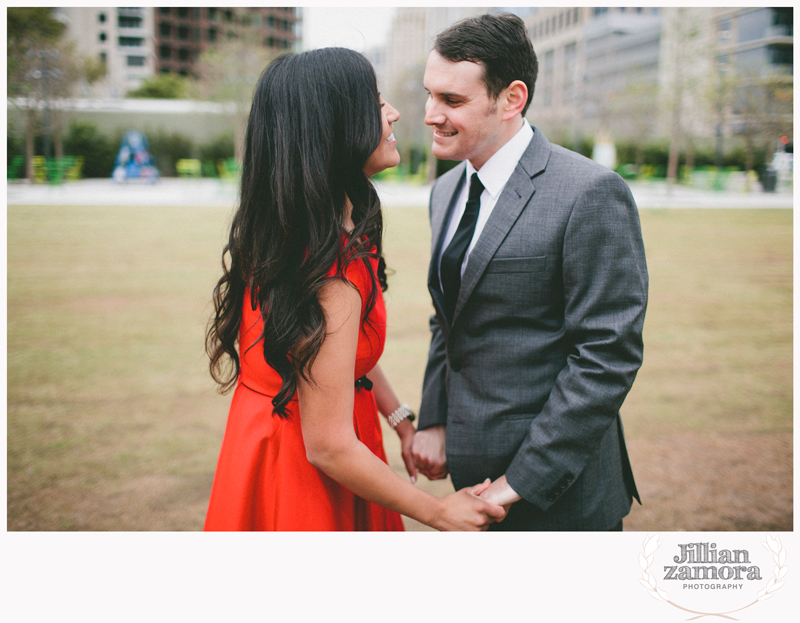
point(114, 423)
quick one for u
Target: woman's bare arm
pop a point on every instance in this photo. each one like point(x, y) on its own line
point(326, 418)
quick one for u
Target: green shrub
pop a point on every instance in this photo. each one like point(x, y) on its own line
point(168, 149)
point(97, 150)
point(220, 148)
point(162, 86)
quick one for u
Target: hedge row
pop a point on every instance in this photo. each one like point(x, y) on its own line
point(99, 151)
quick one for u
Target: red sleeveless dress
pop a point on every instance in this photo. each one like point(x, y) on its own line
point(263, 479)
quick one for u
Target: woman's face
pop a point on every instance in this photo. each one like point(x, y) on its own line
point(385, 156)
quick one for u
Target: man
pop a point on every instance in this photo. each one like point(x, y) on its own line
point(539, 284)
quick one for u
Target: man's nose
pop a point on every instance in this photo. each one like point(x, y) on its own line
point(433, 115)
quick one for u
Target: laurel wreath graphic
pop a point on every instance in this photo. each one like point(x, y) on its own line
point(648, 580)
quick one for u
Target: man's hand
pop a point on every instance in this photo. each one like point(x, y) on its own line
point(428, 452)
point(500, 493)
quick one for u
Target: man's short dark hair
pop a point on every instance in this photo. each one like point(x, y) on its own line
point(500, 43)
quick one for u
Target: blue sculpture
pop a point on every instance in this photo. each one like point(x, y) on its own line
point(134, 161)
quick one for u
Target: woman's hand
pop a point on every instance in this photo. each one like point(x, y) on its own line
point(464, 510)
point(405, 431)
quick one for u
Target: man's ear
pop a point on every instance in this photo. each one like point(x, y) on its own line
point(515, 98)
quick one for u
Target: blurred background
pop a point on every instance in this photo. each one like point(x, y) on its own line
point(123, 147)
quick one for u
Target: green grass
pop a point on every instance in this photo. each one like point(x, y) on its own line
point(114, 423)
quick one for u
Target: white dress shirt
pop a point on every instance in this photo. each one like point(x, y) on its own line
point(493, 175)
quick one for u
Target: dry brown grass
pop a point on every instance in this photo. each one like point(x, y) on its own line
point(114, 424)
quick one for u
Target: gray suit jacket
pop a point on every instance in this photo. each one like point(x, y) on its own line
point(545, 342)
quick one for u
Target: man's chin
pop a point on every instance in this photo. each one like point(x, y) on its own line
point(441, 153)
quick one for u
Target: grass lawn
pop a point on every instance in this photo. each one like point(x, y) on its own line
point(114, 423)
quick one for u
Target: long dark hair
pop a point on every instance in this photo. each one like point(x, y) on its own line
point(314, 122)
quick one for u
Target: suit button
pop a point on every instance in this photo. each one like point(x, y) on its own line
point(569, 478)
point(550, 497)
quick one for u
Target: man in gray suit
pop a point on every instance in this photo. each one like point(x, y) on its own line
point(539, 283)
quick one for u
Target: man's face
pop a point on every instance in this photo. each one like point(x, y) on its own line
point(465, 120)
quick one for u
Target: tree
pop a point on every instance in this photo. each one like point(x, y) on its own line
point(162, 86)
point(43, 70)
point(228, 72)
point(30, 30)
point(762, 110)
point(682, 93)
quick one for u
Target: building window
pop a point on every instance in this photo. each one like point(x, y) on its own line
point(103, 58)
point(183, 54)
point(782, 22)
point(101, 17)
point(164, 29)
point(136, 61)
point(183, 33)
point(164, 51)
point(130, 42)
point(599, 10)
point(126, 21)
point(780, 54)
point(574, 16)
point(183, 12)
point(212, 15)
point(164, 10)
point(102, 36)
point(212, 34)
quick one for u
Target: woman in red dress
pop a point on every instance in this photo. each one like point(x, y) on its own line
point(300, 323)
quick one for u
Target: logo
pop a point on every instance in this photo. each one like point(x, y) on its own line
point(712, 578)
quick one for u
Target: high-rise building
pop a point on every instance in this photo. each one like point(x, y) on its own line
point(182, 33)
point(595, 64)
point(136, 43)
point(121, 37)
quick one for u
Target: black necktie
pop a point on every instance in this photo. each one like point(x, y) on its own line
point(453, 256)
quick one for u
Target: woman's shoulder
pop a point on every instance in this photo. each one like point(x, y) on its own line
point(355, 267)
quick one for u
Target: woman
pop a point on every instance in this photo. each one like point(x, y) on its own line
point(300, 316)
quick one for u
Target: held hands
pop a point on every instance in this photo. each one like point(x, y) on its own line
point(428, 452)
point(464, 510)
point(405, 431)
point(500, 492)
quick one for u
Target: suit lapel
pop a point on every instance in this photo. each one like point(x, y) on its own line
point(514, 197)
point(446, 194)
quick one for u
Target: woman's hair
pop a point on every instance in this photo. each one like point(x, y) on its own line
point(314, 122)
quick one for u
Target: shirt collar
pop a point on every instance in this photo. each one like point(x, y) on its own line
point(495, 172)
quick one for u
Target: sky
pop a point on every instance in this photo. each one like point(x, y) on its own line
point(358, 28)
